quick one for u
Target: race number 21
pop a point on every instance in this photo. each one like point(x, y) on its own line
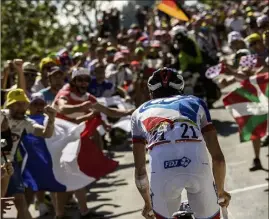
point(186, 129)
point(187, 132)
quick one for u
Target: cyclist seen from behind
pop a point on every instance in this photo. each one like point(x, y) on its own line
point(176, 130)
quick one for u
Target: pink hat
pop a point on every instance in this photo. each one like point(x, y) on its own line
point(79, 38)
point(155, 44)
point(118, 56)
point(157, 33)
point(125, 51)
point(134, 63)
point(142, 38)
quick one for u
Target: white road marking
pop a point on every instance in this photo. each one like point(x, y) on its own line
point(238, 146)
point(248, 188)
point(236, 163)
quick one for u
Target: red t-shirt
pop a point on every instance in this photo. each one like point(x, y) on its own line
point(72, 99)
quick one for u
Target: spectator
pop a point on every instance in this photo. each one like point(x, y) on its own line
point(235, 22)
point(27, 74)
point(81, 46)
point(17, 103)
point(99, 86)
point(56, 79)
point(45, 65)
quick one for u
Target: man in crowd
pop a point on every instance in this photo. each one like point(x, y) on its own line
point(17, 103)
point(75, 104)
point(56, 79)
point(44, 66)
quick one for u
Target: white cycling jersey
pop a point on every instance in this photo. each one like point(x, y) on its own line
point(172, 130)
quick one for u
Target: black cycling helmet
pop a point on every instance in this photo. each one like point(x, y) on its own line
point(167, 80)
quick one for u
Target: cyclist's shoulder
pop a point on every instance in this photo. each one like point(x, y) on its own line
point(192, 98)
point(139, 110)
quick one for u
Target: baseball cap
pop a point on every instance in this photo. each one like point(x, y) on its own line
point(253, 38)
point(111, 49)
point(55, 69)
point(80, 71)
point(155, 44)
point(37, 96)
point(29, 67)
point(158, 33)
point(234, 36)
point(139, 49)
point(16, 95)
point(118, 56)
point(46, 61)
point(79, 38)
point(262, 20)
point(142, 38)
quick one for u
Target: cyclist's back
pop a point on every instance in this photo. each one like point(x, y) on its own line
point(178, 156)
point(177, 130)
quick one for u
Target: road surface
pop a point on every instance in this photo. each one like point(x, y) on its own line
point(117, 197)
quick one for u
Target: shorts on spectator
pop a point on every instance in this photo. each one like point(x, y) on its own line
point(15, 185)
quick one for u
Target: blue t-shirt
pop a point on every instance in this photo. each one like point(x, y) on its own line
point(48, 95)
point(104, 89)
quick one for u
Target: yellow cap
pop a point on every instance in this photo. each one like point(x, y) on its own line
point(111, 49)
point(249, 14)
point(248, 9)
point(16, 95)
point(45, 61)
point(253, 38)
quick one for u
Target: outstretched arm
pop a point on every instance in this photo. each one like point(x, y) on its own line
point(111, 112)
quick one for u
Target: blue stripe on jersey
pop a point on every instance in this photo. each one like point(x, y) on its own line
point(187, 106)
point(203, 104)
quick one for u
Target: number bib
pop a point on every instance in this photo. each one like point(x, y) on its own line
point(180, 130)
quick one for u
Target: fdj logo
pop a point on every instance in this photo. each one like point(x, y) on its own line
point(183, 162)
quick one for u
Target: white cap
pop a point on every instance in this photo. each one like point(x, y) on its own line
point(233, 36)
point(37, 96)
point(80, 71)
point(178, 29)
point(261, 20)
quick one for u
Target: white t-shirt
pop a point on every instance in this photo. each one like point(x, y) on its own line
point(116, 77)
point(18, 128)
point(37, 86)
point(236, 24)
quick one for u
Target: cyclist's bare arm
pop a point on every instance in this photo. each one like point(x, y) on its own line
point(218, 162)
point(141, 178)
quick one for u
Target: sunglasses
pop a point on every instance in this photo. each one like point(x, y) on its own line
point(30, 75)
point(83, 79)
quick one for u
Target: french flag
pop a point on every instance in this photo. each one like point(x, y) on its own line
point(67, 161)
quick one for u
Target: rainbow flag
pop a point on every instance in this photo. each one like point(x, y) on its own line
point(173, 9)
point(248, 105)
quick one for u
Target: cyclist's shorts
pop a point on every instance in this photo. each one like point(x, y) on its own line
point(175, 167)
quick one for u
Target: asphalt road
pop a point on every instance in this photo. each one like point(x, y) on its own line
point(117, 197)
